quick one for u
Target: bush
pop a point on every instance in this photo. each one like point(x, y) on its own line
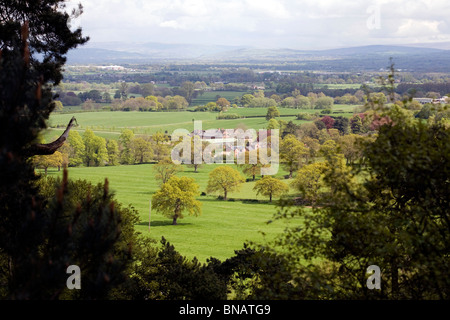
point(305, 116)
point(228, 116)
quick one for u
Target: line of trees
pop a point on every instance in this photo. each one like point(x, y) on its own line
point(92, 150)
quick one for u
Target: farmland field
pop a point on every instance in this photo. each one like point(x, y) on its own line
point(211, 96)
point(109, 124)
point(223, 226)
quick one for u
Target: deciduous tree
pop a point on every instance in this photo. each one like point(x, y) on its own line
point(224, 179)
point(270, 187)
point(77, 149)
point(292, 152)
point(141, 150)
point(309, 181)
point(272, 113)
point(166, 169)
point(176, 196)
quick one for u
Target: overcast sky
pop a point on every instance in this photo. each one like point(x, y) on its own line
point(297, 24)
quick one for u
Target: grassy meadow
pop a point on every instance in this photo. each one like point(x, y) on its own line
point(109, 124)
point(223, 227)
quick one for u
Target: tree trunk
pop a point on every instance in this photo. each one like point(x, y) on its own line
point(225, 195)
point(174, 221)
point(270, 198)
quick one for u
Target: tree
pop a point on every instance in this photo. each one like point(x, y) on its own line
point(292, 151)
point(95, 149)
point(77, 149)
point(41, 235)
point(197, 147)
point(166, 169)
point(48, 34)
point(247, 99)
point(106, 97)
point(55, 160)
point(273, 124)
point(113, 152)
point(303, 102)
point(58, 105)
point(223, 103)
point(272, 113)
point(147, 89)
point(126, 157)
point(160, 146)
point(356, 125)
point(123, 89)
point(392, 212)
point(141, 150)
point(328, 121)
point(342, 124)
point(349, 147)
point(78, 212)
point(176, 196)
point(329, 148)
point(224, 179)
point(270, 187)
point(324, 103)
point(188, 88)
point(252, 169)
point(309, 181)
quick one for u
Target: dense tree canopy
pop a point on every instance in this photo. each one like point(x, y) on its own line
point(49, 33)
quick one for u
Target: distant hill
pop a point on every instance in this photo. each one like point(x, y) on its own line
point(363, 58)
point(102, 56)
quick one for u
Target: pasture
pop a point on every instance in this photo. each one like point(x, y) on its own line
point(223, 227)
point(109, 124)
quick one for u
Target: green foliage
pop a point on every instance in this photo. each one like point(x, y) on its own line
point(356, 125)
point(272, 113)
point(141, 150)
point(176, 196)
point(324, 103)
point(228, 116)
point(48, 30)
point(309, 181)
point(85, 226)
point(224, 179)
point(113, 152)
point(292, 151)
point(270, 187)
point(393, 213)
point(168, 275)
point(342, 124)
point(166, 169)
point(96, 152)
point(77, 149)
point(125, 138)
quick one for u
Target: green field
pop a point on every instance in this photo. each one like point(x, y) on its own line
point(223, 226)
point(109, 124)
point(211, 96)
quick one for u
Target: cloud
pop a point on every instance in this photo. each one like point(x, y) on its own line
point(287, 23)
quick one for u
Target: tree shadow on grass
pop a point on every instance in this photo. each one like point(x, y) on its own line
point(163, 223)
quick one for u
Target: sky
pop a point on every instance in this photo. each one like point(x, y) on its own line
point(296, 24)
